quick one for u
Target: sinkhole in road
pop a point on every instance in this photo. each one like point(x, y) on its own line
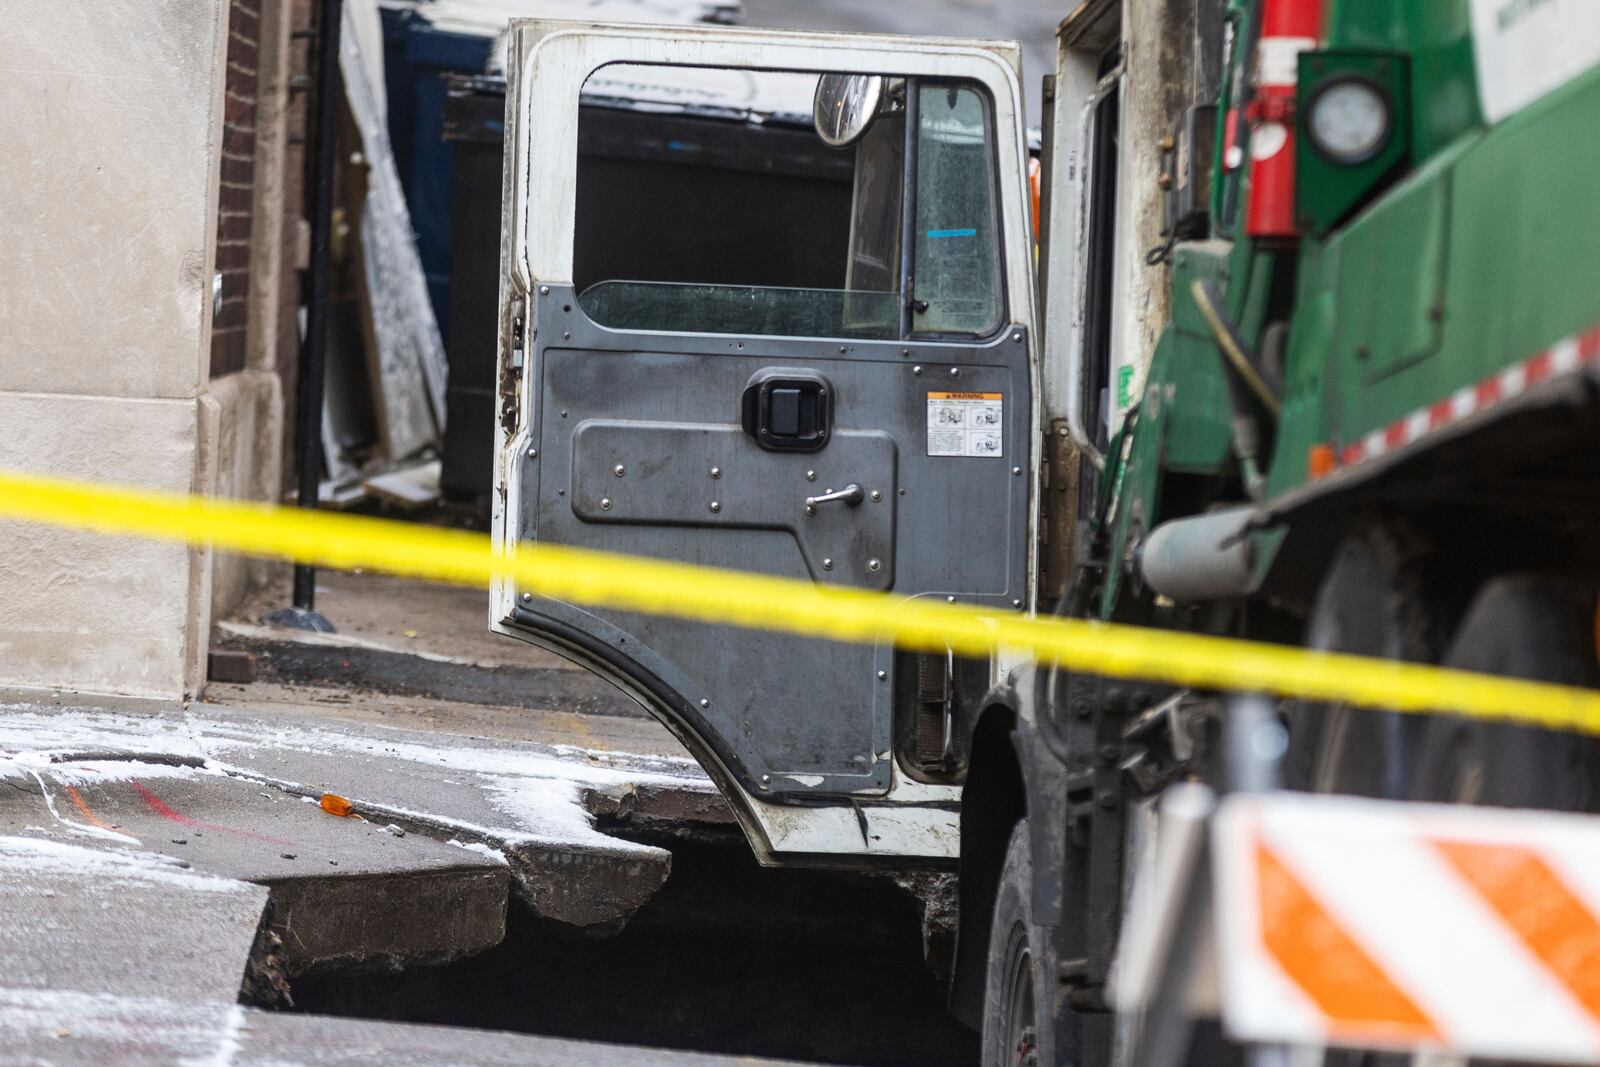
point(727, 958)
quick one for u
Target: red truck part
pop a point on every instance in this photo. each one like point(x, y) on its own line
point(1288, 27)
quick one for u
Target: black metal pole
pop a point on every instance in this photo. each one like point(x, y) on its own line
point(314, 347)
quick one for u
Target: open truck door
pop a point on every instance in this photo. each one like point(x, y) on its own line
point(735, 334)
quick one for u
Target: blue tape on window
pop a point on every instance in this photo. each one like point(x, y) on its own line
point(935, 234)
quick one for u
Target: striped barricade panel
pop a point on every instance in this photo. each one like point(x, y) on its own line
point(1383, 925)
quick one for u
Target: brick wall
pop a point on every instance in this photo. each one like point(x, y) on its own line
point(237, 199)
point(294, 235)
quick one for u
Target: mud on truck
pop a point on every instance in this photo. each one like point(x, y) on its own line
point(1306, 351)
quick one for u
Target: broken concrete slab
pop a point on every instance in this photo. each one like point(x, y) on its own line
point(524, 800)
point(344, 891)
point(599, 741)
point(119, 920)
point(656, 806)
point(587, 886)
point(62, 725)
point(393, 920)
point(589, 737)
point(70, 1028)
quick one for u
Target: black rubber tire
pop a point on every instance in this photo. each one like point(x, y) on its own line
point(1375, 600)
point(1533, 626)
point(1019, 996)
point(1526, 626)
point(1538, 627)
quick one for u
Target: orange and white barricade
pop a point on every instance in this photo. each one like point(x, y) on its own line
point(1372, 924)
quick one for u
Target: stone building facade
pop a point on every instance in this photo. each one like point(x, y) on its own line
point(155, 151)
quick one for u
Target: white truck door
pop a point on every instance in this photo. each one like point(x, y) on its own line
point(726, 341)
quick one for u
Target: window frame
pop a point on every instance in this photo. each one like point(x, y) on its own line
point(548, 61)
point(1102, 182)
point(910, 232)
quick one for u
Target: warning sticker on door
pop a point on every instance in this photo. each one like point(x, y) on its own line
point(965, 424)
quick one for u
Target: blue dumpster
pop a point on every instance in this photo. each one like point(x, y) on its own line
point(417, 59)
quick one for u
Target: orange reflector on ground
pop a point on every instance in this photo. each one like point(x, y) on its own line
point(334, 804)
point(1403, 926)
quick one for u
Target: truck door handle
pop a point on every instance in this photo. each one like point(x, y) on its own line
point(851, 494)
point(787, 412)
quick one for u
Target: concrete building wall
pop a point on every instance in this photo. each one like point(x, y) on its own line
point(249, 408)
point(111, 121)
point(112, 117)
point(87, 613)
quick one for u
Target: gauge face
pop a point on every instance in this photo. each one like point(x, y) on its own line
point(1349, 121)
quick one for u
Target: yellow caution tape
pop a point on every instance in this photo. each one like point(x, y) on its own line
point(714, 595)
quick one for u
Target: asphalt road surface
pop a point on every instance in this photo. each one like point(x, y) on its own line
point(1031, 22)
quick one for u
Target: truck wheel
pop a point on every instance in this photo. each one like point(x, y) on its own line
point(1018, 998)
point(1374, 601)
point(1538, 627)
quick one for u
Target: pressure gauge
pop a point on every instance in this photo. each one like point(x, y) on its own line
point(1349, 119)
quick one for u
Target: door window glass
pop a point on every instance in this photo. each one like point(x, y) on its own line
point(956, 272)
point(707, 203)
point(742, 309)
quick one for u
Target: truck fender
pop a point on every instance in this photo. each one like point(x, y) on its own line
point(992, 801)
point(1010, 776)
point(1044, 781)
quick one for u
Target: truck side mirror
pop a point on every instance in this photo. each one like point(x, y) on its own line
point(845, 106)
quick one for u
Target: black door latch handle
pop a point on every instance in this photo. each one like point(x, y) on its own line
point(787, 413)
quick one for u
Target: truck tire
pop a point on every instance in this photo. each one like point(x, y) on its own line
point(1525, 626)
point(1019, 988)
point(1532, 626)
point(1375, 600)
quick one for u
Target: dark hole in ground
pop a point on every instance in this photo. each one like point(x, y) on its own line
point(728, 958)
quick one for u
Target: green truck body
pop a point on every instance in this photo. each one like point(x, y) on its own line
point(1466, 249)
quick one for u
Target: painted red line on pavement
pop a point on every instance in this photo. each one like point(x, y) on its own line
point(158, 806)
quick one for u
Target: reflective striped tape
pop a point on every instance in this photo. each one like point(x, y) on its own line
point(1562, 358)
point(786, 605)
point(1385, 925)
